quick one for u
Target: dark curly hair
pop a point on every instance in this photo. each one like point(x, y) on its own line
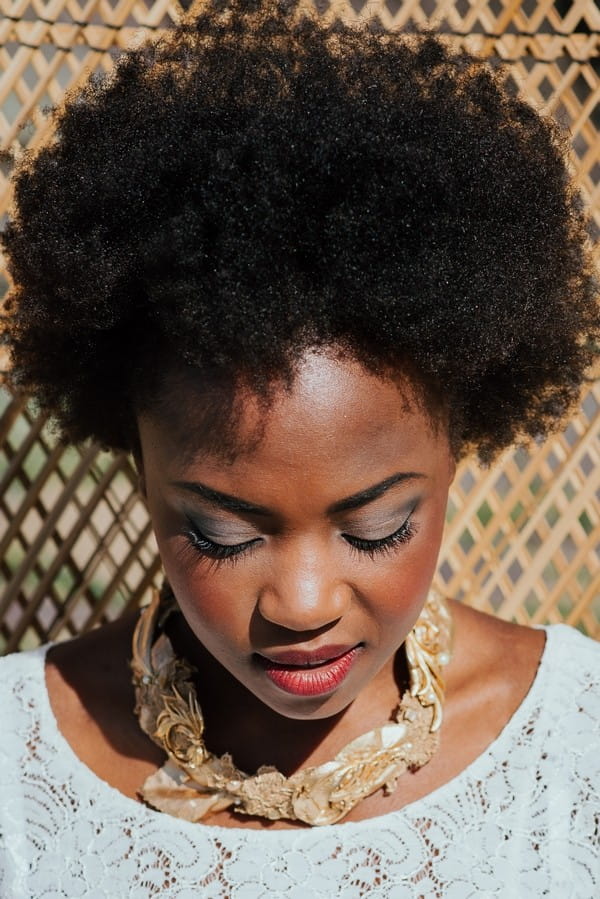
point(255, 184)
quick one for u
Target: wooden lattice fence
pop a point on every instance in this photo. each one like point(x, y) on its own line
point(523, 538)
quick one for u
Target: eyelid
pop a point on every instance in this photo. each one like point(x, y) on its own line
point(372, 534)
point(239, 532)
point(388, 525)
point(384, 545)
point(217, 552)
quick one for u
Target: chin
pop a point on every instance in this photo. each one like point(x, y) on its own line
point(310, 709)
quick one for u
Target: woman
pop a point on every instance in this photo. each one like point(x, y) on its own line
point(298, 272)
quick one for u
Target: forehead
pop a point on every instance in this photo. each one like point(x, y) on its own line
point(335, 401)
point(333, 408)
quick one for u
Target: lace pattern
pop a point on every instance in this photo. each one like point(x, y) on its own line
point(523, 820)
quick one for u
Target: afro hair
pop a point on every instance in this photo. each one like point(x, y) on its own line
point(256, 183)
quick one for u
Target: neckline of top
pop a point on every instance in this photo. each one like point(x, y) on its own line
point(475, 769)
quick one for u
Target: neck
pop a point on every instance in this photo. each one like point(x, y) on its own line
point(238, 723)
point(169, 712)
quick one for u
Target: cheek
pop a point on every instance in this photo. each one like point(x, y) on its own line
point(213, 599)
point(215, 602)
point(206, 593)
point(398, 590)
point(399, 585)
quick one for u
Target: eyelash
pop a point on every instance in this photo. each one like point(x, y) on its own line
point(220, 552)
point(217, 552)
point(384, 545)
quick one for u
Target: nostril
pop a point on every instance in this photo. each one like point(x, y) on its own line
point(303, 611)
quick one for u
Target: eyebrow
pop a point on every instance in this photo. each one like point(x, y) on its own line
point(370, 493)
point(223, 500)
point(241, 506)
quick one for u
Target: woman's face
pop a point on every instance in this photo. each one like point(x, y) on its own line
point(302, 562)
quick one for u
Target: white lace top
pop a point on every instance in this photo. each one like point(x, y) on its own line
point(521, 821)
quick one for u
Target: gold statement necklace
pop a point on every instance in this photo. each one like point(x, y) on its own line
point(194, 783)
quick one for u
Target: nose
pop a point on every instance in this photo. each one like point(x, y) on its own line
point(305, 593)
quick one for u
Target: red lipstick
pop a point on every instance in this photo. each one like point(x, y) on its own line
point(310, 673)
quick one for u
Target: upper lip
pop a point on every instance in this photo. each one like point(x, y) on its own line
point(313, 657)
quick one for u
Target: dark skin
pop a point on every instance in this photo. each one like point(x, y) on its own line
point(297, 581)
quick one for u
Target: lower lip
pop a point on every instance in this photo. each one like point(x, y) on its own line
point(311, 681)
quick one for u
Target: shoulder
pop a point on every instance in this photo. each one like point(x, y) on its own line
point(89, 682)
point(494, 661)
point(25, 722)
point(22, 687)
point(580, 655)
point(569, 683)
point(503, 672)
point(16, 664)
point(92, 700)
point(532, 695)
point(555, 742)
point(554, 652)
point(90, 671)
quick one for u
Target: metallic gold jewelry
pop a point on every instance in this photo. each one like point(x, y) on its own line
point(194, 783)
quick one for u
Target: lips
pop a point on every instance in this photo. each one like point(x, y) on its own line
point(310, 673)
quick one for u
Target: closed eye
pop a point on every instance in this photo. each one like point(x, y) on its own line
point(217, 551)
point(399, 537)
